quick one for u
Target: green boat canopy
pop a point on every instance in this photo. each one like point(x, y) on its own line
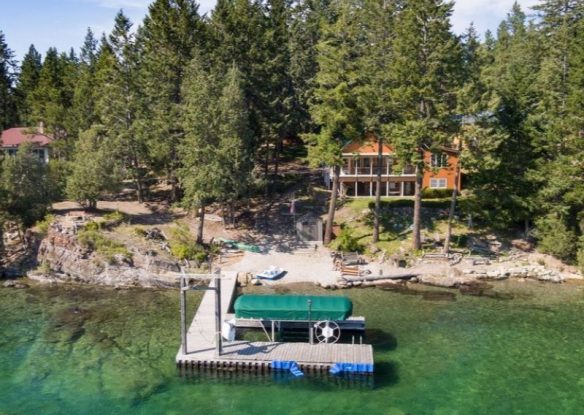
point(292, 307)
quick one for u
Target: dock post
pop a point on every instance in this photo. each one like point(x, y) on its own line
point(310, 339)
point(183, 312)
point(218, 315)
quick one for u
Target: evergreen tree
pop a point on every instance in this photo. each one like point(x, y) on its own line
point(200, 174)
point(278, 90)
point(501, 165)
point(173, 31)
point(234, 137)
point(25, 185)
point(335, 108)
point(28, 80)
point(121, 101)
point(426, 58)
point(94, 169)
point(84, 96)
point(8, 113)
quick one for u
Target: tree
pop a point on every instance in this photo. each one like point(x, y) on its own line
point(426, 58)
point(173, 32)
point(121, 101)
point(25, 185)
point(8, 114)
point(84, 96)
point(234, 137)
point(94, 169)
point(200, 174)
point(28, 80)
point(335, 108)
point(376, 91)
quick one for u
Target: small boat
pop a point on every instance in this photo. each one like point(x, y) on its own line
point(271, 273)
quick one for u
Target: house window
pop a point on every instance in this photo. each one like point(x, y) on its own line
point(438, 183)
point(439, 160)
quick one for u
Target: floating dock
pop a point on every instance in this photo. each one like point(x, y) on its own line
point(262, 357)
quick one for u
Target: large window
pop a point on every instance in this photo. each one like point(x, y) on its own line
point(438, 183)
point(439, 160)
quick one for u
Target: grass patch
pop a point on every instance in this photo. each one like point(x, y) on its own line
point(109, 249)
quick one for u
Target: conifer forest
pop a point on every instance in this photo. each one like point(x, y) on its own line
point(209, 102)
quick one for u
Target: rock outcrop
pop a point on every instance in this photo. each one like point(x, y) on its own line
point(62, 258)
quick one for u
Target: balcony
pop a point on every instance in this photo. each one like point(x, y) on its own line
point(372, 171)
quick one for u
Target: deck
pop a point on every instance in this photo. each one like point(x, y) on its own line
point(257, 356)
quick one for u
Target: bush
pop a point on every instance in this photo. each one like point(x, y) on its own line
point(141, 232)
point(428, 193)
point(347, 242)
point(183, 245)
point(43, 225)
point(555, 238)
point(94, 240)
point(114, 218)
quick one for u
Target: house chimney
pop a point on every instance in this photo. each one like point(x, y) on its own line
point(41, 127)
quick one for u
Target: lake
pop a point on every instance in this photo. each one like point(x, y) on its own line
point(82, 350)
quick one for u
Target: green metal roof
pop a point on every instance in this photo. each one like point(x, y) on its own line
point(292, 307)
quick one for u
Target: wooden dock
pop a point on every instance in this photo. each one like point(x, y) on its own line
point(257, 356)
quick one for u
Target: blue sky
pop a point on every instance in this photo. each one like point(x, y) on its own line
point(63, 23)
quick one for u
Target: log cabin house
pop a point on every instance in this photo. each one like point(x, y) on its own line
point(359, 170)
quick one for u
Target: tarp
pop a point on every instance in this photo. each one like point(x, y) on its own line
point(292, 307)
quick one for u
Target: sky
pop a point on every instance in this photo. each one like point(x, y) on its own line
point(63, 23)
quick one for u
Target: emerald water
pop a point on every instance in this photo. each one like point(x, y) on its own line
point(76, 350)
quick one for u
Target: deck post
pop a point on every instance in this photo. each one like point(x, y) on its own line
point(183, 311)
point(273, 332)
point(218, 315)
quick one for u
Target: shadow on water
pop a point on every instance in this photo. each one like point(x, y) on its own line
point(381, 340)
point(386, 374)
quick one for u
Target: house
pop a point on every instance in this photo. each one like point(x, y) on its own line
point(12, 138)
point(359, 170)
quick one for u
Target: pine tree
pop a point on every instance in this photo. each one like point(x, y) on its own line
point(121, 101)
point(173, 31)
point(8, 112)
point(335, 108)
point(200, 173)
point(278, 91)
point(94, 170)
point(237, 31)
point(502, 164)
point(305, 32)
point(234, 137)
point(376, 90)
point(426, 56)
point(84, 96)
point(28, 80)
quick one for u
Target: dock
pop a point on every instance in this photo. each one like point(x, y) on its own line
point(255, 356)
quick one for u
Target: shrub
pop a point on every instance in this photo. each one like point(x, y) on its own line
point(43, 225)
point(183, 245)
point(347, 242)
point(555, 238)
point(581, 255)
point(139, 231)
point(94, 240)
point(113, 218)
point(428, 193)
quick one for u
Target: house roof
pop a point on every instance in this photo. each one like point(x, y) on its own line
point(14, 137)
point(368, 145)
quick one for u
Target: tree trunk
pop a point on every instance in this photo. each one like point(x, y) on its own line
point(451, 214)
point(377, 218)
point(417, 209)
point(201, 224)
point(139, 188)
point(328, 233)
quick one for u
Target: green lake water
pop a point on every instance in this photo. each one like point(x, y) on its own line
point(76, 350)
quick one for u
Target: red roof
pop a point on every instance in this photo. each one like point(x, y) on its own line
point(13, 137)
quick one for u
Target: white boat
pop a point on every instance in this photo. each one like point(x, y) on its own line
point(271, 273)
